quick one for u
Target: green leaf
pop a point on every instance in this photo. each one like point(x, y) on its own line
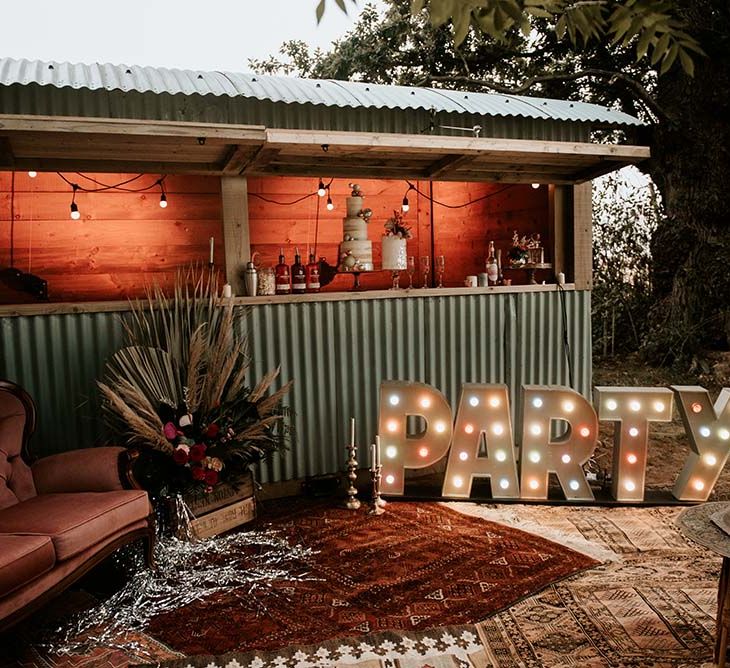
point(441, 11)
point(341, 5)
point(560, 26)
point(642, 46)
point(461, 23)
point(320, 10)
point(538, 12)
point(417, 6)
point(669, 58)
point(660, 48)
point(687, 64)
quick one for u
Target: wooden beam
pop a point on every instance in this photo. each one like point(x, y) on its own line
point(263, 157)
point(80, 125)
point(583, 236)
point(446, 164)
point(7, 159)
point(118, 166)
point(236, 236)
point(559, 226)
point(237, 159)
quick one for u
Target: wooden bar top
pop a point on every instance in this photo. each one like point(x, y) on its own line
point(416, 293)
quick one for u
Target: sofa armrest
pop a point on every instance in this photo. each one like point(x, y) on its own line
point(85, 470)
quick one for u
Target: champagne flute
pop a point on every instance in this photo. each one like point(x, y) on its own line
point(411, 270)
point(425, 268)
point(440, 267)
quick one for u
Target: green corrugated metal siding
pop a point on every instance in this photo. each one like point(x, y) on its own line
point(337, 352)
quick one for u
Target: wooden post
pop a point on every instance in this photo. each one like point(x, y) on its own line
point(559, 208)
point(236, 237)
point(582, 236)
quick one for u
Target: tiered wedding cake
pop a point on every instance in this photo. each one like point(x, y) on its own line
point(356, 250)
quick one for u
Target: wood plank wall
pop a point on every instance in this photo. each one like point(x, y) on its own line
point(125, 241)
point(462, 234)
point(122, 242)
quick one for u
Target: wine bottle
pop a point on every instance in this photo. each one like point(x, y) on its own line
point(283, 283)
point(492, 268)
point(312, 271)
point(298, 275)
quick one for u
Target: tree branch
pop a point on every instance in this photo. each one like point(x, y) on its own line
point(636, 88)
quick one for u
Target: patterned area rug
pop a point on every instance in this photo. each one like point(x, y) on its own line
point(417, 566)
point(651, 603)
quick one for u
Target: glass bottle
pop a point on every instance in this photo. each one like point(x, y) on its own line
point(492, 268)
point(298, 275)
point(283, 282)
point(312, 271)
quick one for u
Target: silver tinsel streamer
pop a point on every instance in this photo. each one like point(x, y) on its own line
point(244, 565)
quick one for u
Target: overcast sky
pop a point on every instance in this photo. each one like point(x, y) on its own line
point(203, 35)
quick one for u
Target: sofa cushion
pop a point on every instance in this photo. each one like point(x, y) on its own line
point(22, 559)
point(75, 521)
point(16, 481)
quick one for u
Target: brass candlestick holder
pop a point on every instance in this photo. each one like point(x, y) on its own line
point(376, 503)
point(352, 503)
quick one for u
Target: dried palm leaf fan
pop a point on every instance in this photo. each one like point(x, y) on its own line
point(178, 391)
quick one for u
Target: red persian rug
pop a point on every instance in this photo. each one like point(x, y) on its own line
point(419, 565)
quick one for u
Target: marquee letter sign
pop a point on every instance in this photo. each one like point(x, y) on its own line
point(565, 456)
point(631, 409)
point(483, 412)
point(398, 400)
point(484, 417)
point(708, 430)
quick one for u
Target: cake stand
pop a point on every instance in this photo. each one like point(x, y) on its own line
point(356, 287)
point(530, 268)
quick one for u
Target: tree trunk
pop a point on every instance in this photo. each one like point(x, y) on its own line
point(691, 166)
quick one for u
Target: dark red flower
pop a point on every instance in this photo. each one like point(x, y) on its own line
point(198, 473)
point(212, 430)
point(180, 456)
point(197, 452)
point(211, 477)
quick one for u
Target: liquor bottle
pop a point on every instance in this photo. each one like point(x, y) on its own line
point(298, 275)
point(283, 284)
point(492, 268)
point(312, 271)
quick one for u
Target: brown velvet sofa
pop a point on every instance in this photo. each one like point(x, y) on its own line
point(59, 515)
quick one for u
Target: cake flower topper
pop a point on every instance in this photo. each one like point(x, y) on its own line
point(366, 214)
point(396, 227)
point(356, 192)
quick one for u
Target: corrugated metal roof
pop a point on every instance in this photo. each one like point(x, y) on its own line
point(289, 90)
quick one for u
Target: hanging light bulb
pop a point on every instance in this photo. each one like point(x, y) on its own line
point(32, 174)
point(330, 205)
point(163, 201)
point(75, 215)
point(321, 190)
point(405, 206)
point(163, 195)
point(535, 185)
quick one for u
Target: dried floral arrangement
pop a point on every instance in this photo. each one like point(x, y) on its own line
point(519, 253)
point(178, 391)
point(396, 227)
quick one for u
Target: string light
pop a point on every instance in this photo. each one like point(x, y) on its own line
point(163, 195)
point(32, 174)
point(405, 206)
point(75, 215)
point(330, 205)
point(535, 185)
point(321, 190)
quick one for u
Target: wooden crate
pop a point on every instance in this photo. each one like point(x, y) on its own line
point(222, 495)
point(225, 518)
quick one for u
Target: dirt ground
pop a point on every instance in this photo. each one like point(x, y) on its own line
point(668, 443)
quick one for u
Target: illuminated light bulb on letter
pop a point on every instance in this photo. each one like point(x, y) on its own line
point(423, 452)
point(469, 428)
point(631, 458)
point(504, 483)
point(696, 408)
point(534, 484)
point(458, 481)
point(705, 432)
point(535, 456)
point(440, 427)
point(724, 434)
point(699, 485)
point(659, 406)
point(474, 401)
point(568, 406)
point(494, 402)
point(498, 429)
point(630, 485)
point(585, 432)
point(391, 452)
point(425, 402)
point(574, 485)
point(635, 406)
point(710, 459)
point(611, 405)
point(394, 399)
point(463, 456)
point(500, 455)
point(537, 402)
point(390, 479)
point(392, 425)
point(566, 460)
point(536, 429)
point(633, 432)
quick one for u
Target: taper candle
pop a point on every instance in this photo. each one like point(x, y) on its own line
point(373, 463)
point(377, 450)
point(352, 431)
point(212, 242)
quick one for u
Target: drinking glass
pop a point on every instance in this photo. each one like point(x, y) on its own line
point(411, 270)
point(440, 267)
point(425, 268)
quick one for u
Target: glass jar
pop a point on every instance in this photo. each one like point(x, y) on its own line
point(267, 281)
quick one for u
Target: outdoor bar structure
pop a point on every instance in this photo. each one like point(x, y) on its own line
point(243, 157)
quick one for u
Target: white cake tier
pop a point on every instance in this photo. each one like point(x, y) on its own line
point(354, 206)
point(395, 254)
point(355, 228)
point(361, 251)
